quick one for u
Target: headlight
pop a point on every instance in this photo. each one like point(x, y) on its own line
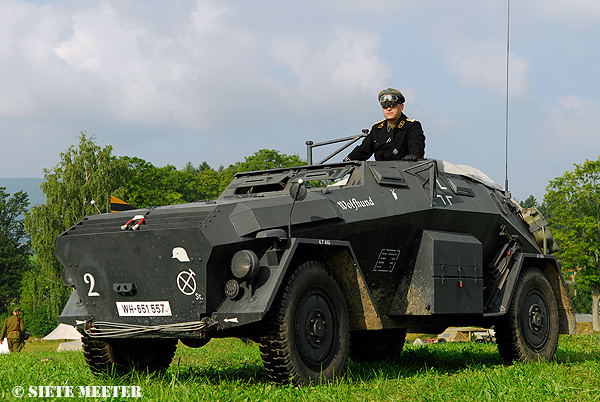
point(244, 264)
point(232, 289)
point(66, 278)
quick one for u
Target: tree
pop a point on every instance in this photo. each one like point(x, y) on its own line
point(85, 172)
point(574, 202)
point(529, 202)
point(14, 246)
point(147, 185)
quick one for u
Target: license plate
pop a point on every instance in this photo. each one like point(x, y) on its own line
point(144, 309)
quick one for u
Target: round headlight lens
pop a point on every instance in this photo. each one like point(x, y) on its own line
point(232, 289)
point(66, 278)
point(244, 264)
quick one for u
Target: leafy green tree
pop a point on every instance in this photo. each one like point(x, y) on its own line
point(574, 202)
point(85, 172)
point(529, 202)
point(147, 185)
point(208, 184)
point(14, 246)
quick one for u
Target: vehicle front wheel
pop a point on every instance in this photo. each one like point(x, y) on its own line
point(129, 354)
point(307, 337)
point(529, 330)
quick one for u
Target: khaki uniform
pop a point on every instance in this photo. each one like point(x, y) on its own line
point(11, 330)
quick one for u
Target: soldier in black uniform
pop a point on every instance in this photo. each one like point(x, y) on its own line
point(396, 137)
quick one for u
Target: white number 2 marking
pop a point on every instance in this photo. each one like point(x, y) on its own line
point(88, 278)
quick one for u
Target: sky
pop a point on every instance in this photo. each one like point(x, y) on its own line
point(178, 81)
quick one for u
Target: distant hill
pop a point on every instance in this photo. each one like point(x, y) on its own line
point(30, 185)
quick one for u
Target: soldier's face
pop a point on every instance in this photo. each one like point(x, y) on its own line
point(393, 112)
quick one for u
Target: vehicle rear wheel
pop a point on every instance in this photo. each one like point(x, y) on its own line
point(125, 355)
point(374, 346)
point(307, 337)
point(529, 330)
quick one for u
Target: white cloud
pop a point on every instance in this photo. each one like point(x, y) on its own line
point(574, 14)
point(209, 17)
point(481, 63)
point(29, 68)
point(573, 122)
point(227, 78)
point(145, 75)
point(344, 65)
point(207, 77)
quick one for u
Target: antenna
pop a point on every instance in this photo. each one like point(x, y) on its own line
point(94, 204)
point(506, 192)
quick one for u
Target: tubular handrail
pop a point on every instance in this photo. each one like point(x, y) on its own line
point(351, 140)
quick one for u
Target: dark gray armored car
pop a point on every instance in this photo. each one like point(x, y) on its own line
point(317, 273)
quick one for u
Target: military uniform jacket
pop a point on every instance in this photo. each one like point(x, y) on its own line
point(406, 138)
point(12, 328)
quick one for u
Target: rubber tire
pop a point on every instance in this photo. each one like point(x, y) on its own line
point(375, 346)
point(295, 347)
point(529, 330)
point(125, 355)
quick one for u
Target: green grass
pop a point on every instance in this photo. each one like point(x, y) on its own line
point(230, 370)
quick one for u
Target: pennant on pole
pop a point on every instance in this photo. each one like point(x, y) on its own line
point(117, 205)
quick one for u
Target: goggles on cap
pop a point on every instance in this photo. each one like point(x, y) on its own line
point(389, 98)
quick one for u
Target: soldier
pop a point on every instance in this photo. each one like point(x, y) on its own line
point(12, 329)
point(396, 137)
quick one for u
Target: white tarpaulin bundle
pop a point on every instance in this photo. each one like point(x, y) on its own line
point(63, 331)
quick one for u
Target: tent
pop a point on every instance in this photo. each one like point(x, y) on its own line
point(64, 331)
point(466, 334)
point(73, 345)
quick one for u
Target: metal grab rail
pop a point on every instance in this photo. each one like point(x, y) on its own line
point(351, 140)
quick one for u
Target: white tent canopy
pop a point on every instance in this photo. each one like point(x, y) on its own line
point(63, 331)
point(70, 346)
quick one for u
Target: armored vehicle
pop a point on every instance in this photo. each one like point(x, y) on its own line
point(318, 264)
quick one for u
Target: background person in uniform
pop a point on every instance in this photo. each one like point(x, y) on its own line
point(11, 330)
point(396, 137)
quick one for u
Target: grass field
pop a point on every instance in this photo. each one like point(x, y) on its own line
point(231, 370)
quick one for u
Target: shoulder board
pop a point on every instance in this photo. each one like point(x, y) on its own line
point(411, 120)
point(379, 124)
